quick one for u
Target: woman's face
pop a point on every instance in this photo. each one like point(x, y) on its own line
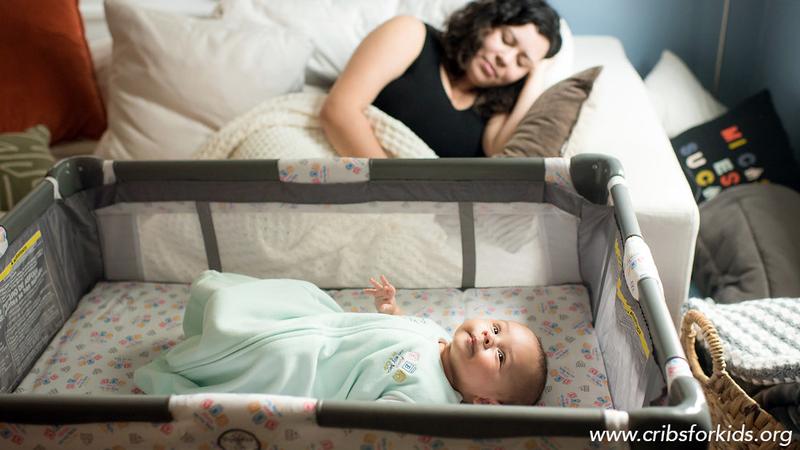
point(508, 54)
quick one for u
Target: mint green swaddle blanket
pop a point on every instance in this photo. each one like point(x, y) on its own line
point(289, 337)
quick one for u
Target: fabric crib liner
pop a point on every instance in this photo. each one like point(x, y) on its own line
point(120, 326)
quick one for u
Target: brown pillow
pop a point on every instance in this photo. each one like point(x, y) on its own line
point(47, 75)
point(547, 125)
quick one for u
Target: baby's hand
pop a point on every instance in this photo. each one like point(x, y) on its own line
point(384, 294)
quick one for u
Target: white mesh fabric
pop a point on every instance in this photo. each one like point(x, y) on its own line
point(525, 244)
point(336, 246)
point(342, 245)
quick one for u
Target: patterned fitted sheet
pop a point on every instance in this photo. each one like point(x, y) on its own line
point(120, 326)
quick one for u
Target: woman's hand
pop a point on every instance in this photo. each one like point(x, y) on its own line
point(541, 67)
point(384, 294)
point(535, 81)
point(502, 126)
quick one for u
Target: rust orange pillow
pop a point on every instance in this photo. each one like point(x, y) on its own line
point(47, 75)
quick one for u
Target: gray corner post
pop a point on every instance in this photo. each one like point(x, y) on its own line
point(595, 177)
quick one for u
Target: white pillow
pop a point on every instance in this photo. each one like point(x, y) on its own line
point(678, 97)
point(563, 61)
point(174, 80)
point(336, 28)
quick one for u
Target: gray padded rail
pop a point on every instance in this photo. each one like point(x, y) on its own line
point(590, 174)
point(468, 169)
point(61, 409)
point(461, 421)
point(228, 170)
point(467, 223)
point(28, 210)
point(658, 320)
point(77, 174)
point(626, 218)
point(209, 236)
point(689, 412)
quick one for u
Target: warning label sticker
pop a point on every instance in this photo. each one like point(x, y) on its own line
point(29, 314)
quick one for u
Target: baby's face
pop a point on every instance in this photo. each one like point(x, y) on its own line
point(491, 358)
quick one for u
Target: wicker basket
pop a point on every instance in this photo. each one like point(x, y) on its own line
point(727, 402)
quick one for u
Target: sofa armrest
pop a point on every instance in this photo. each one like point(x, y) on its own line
point(619, 120)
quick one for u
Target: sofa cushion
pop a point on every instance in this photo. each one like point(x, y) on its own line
point(618, 120)
point(749, 244)
point(26, 159)
point(174, 80)
point(546, 126)
point(336, 28)
point(47, 74)
point(745, 145)
point(678, 97)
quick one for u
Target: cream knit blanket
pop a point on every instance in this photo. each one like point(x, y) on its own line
point(288, 127)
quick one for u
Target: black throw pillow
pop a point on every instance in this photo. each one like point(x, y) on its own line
point(747, 144)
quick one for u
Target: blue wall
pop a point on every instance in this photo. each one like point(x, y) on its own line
point(762, 48)
point(763, 51)
point(690, 28)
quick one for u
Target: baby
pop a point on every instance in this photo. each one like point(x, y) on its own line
point(487, 361)
point(289, 337)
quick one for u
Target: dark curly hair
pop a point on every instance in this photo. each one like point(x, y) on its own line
point(466, 28)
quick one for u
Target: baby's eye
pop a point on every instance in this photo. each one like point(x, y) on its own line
point(501, 355)
point(495, 329)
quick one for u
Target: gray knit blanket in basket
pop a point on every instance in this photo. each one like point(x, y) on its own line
point(761, 338)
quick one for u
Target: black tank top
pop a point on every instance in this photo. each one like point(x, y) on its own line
point(418, 99)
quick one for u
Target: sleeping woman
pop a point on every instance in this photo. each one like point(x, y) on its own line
point(462, 91)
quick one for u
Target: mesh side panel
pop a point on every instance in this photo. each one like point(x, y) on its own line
point(72, 243)
point(171, 245)
point(525, 244)
point(30, 312)
point(151, 241)
point(415, 244)
point(622, 333)
point(623, 337)
point(42, 277)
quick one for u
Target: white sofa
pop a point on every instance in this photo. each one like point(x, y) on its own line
point(618, 119)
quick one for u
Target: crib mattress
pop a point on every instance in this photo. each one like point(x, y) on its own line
point(120, 326)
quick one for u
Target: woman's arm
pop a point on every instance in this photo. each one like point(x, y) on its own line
point(501, 126)
point(380, 58)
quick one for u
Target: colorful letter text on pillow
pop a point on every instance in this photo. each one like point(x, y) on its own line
point(746, 145)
